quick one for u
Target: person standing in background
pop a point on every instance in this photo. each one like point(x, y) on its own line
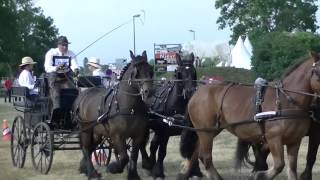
point(8, 87)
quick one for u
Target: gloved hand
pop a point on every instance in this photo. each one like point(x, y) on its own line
point(76, 72)
point(60, 66)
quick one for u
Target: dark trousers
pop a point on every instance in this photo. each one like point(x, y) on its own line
point(56, 83)
point(8, 95)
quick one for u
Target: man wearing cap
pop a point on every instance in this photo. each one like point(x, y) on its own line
point(26, 79)
point(59, 64)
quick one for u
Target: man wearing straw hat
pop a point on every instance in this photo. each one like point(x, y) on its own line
point(59, 65)
point(95, 67)
point(26, 78)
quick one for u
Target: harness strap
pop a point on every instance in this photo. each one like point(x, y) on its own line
point(221, 104)
point(284, 114)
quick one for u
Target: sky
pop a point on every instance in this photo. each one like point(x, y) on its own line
point(161, 22)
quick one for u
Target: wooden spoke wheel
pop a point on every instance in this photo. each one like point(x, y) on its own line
point(19, 142)
point(42, 148)
point(102, 154)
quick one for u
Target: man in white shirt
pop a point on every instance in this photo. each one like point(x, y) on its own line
point(26, 79)
point(59, 65)
point(95, 67)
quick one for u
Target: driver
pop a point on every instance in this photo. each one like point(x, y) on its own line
point(59, 64)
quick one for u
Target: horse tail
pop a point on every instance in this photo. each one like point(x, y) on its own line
point(242, 154)
point(188, 140)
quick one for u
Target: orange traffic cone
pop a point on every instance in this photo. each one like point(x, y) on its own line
point(6, 134)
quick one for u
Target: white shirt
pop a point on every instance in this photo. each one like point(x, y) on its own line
point(48, 62)
point(98, 72)
point(26, 80)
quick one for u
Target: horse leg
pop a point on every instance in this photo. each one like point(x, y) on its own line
point(261, 156)
point(132, 166)
point(188, 164)
point(157, 171)
point(205, 154)
point(277, 152)
point(292, 152)
point(87, 149)
point(144, 155)
point(311, 157)
point(154, 144)
point(120, 148)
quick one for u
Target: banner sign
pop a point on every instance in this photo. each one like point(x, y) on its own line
point(165, 55)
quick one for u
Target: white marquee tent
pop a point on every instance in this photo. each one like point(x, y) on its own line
point(241, 58)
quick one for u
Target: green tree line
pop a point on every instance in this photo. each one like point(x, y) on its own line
point(24, 31)
point(281, 31)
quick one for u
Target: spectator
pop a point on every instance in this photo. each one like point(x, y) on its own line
point(26, 79)
point(8, 87)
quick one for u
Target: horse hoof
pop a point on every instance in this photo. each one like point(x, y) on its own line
point(134, 178)
point(196, 178)
point(159, 178)
point(95, 175)
point(114, 168)
point(260, 176)
point(306, 176)
point(181, 176)
point(147, 165)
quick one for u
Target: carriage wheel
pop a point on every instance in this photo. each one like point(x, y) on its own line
point(42, 148)
point(102, 154)
point(19, 142)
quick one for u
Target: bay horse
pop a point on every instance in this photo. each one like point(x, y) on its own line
point(230, 106)
point(170, 99)
point(118, 113)
point(261, 154)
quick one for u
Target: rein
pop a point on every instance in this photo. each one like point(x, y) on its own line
point(285, 114)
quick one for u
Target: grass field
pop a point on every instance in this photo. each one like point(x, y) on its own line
point(66, 163)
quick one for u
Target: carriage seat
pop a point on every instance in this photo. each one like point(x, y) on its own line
point(22, 100)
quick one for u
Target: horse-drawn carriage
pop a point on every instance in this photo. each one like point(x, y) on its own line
point(46, 131)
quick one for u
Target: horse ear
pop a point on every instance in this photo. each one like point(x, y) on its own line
point(144, 54)
point(132, 55)
point(179, 62)
point(315, 56)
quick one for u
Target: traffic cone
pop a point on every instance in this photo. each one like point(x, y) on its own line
point(6, 134)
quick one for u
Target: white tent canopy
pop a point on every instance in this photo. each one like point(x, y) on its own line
point(247, 45)
point(240, 55)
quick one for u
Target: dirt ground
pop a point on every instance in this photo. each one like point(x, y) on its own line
point(66, 163)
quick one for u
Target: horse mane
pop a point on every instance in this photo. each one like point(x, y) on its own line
point(294, 66)
point(124, 69)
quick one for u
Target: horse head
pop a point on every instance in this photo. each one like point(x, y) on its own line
point(140, 74)
point(315, 73)
point(186, 72)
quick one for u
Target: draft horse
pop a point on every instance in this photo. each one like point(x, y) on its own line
point(118, 113)
point(169, 100)
point(230, 106)
point(261, 153)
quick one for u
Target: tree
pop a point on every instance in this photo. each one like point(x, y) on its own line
point(261, 16)
point(276, 51)
point(25, 31)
